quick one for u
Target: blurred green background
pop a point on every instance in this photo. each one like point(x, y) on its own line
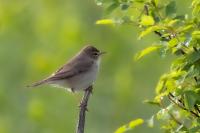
point(36, 37)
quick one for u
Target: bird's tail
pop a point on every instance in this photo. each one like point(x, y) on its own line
point(38, 83)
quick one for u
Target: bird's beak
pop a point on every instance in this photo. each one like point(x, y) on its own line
point(102, 53)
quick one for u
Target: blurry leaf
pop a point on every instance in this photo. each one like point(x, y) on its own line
point(99, 2)
point(190, 99)
point(122, 129)
point(150, 122)
point(112, 7)
point(170, 85)
point(141, 1)
point(130, 126)
point(146, 51)
point(172, 43)
point(176, 74)
point(196, 7)
point(172, 22)
point(136, 123)
point(124, 6)
point(160, 85)
point(162, 114)
point(150, 29)
point(105, 22)
point(185, 28)
point(159, 97)
point(181, 17)
point(193, 57)
point(155, 2)
point(147, 20)
point(194, 129)
point(168, 81)
point(177, 63)
point(152, 102)
point(170, 8)
point(196, 34)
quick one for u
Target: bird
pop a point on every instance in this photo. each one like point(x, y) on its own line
point(78, 73)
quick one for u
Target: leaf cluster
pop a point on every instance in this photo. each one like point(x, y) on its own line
point(178, 91)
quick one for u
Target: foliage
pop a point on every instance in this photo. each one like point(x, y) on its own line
point(129, 126)
point(178, 91)
point(36, 38)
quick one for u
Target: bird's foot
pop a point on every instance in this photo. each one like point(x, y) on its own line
point(89, 89)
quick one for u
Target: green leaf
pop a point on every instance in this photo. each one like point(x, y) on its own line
point(195, 129)
point(185, 28)
point(150, 122)
point(155, 2)
point(124, 6)
point(112, 7)
point(193, 57)
point(162, 115)
point(196, 8)
point(172, 22)
point(160, 85)
point(122, 129)
point(170, 8)
point(136, 123)
point(168, 80)
point(147, 20)
point(170, 85)
point(146, 51)
point(129, 126)
point(152, 102)
point(190, 99)
point(196, 34)
point(99, 2)
point(172, 43)
point(105, 22)
point(151, 29)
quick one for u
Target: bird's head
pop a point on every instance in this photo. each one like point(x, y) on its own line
point(92, 52)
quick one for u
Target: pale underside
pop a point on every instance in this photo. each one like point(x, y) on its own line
point(80, 81)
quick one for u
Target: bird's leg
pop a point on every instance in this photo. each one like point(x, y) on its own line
point(89, 89)
point(72, 89)
point(83, 103)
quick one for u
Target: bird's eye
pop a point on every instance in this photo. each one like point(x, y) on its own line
point(95, 53)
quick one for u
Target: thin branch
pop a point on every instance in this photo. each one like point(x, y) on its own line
point(83, 109)
point(180, 105)
point(170, 114)
point(168, 38)
point(174, 118)
point(197, 108)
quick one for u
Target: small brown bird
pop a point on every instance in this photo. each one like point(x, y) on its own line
point(79, 73)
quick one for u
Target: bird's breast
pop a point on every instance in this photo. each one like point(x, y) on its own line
point(85, 79)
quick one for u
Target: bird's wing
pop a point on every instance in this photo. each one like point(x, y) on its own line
point(68, 70)
point(74, 67)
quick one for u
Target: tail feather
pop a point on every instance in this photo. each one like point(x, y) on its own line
point(38, 83)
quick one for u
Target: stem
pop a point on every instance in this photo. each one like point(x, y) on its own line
point(171, 98)
point(171, 115)
point(83, 109)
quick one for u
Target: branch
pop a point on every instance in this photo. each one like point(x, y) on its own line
point(180, 105)
point(170, 114)
point(83, 109)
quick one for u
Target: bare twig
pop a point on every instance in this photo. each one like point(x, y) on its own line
point(83, 109)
